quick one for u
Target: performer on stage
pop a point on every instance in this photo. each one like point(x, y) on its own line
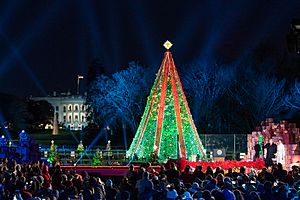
point(280, 153)
point(271, 150)
point(109, 153)
point(257, 150)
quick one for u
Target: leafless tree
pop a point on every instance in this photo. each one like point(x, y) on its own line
point(293, 100)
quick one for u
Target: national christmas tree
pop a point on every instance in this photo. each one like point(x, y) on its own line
point(167, 129)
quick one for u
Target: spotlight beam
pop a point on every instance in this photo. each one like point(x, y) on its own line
point(87, 11)
point(113, 30)
point(255, 37)
point(29, 36)
point(25, 66)
point(91, 145)
point(223, 21)
point(11, 7)
point(144, 31)
point(6, 131)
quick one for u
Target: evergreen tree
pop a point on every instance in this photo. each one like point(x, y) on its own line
point(97, 159)
point(167, 129)
point(53, 156)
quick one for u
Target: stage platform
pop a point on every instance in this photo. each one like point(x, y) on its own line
point(119, 171)
point(234, 164)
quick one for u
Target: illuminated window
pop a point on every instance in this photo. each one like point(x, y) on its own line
point(76, 118)
point(70, 107)
point(70, 118)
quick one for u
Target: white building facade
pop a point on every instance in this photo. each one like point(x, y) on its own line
point(69, 110)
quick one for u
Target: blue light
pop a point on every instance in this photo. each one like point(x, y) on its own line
point(4, 127)
point(29, 36)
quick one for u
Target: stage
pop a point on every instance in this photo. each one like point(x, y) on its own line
point(104, 170)
point(120, 171)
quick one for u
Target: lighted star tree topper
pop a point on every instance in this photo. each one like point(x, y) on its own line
point(166, 128)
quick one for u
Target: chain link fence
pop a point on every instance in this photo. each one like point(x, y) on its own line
point(232, 145)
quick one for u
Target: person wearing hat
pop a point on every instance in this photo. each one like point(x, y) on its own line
point(172, 193)
point(195, 191)
point(187, 196)
point(195, 188)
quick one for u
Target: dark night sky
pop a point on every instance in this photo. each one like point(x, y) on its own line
point(45, 44)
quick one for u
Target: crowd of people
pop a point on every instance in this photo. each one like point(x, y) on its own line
point(36, 181)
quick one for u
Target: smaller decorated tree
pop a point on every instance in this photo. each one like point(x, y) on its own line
point(154, 157)
point(108, 149)
point(97, 159)
point(80, 148)
point(53, 156)
point(109, 153)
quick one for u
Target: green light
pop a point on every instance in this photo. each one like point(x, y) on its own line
point(143, 144)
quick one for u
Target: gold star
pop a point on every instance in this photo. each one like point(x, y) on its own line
point(168, 44)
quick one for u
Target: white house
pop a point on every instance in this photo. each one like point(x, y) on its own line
point(69, 110)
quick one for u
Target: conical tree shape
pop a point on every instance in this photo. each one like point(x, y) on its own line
point(167, 128)
point(55, 125)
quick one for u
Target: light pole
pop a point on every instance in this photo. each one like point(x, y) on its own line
point(78, 79)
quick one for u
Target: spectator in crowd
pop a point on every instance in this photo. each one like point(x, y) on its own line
point(172, 173)
point(296, 175)
point(131, 175)
point(228, 189)
point(172, 193)
point(145, 187)
point(162, 171)
point(220, 180)
point(279, 173)
point(110, 190)
point(209, 171)
point(29, 181)
point(229, 173)
point(187, 175)
point(198, 173)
